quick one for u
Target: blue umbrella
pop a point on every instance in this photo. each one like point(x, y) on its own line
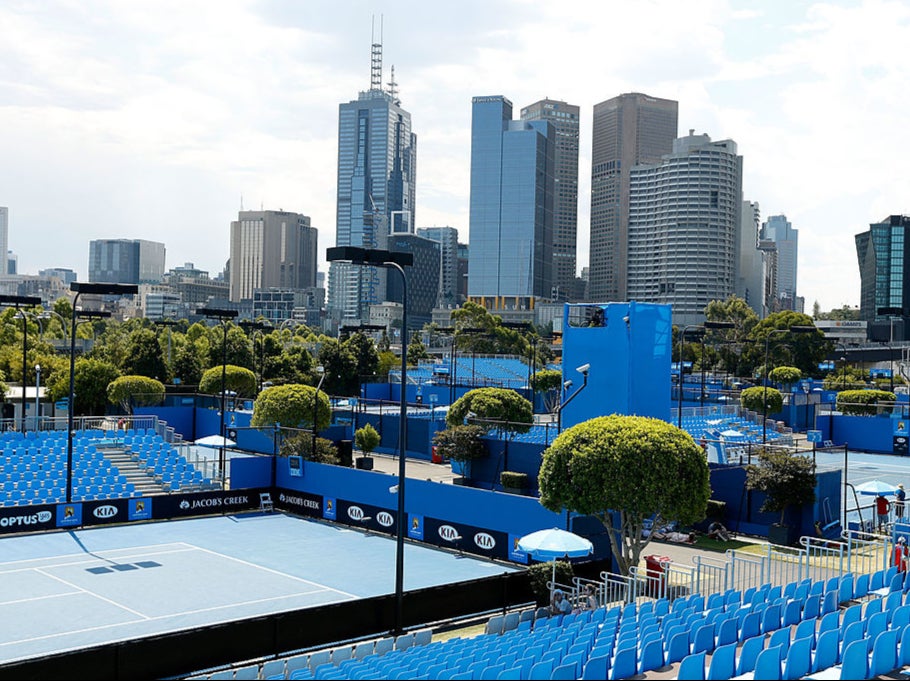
point(555, 543)
point(876, 487)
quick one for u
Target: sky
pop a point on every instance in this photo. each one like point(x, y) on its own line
point(155, 120)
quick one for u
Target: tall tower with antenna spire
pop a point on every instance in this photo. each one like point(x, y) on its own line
point(377, 163)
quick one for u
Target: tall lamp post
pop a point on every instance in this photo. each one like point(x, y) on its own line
point(222, 315)
point(679, 386)
point(260, 328)
point(709, 325)
point(19, 302)
point(88, 288)
point(792, 329)
point(583, 370)
point(397, 262)
point(321, 370)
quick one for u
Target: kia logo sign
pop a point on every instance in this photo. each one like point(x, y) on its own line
point(355, 513)
point(105, 512)
point(385, 519)
point(448, 533)
point(484, 541)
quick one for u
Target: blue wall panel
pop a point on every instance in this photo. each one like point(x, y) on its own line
point(629, 358)
point(252, 471)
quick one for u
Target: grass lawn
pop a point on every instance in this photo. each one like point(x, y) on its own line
point(705, 543)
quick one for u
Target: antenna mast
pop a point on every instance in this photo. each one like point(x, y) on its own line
point(393, 86)
point(376, 58)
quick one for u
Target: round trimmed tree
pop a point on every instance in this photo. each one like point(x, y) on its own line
point(135, 391)
point(291, 405)
point(499, 408)
point(753, 399)
point(625, 470)
point(239, 379)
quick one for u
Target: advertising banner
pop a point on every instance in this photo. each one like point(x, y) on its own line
point(26, 519)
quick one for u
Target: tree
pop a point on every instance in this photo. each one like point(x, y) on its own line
point(801, 350)
point(237, 379)
point(239, 350)
point(135, 391)
point(366, 439)
point(548, 382)
point(762, 400)
point(634, 467)
point(864, 402)
point(187, 365)
point(90, 385)
point(366, 357)
point(291, 405)
point(144, 356)
point(417, 351)
point(301, 444)
point(499, 408)
point(340, 368)
point(786, 478)
point(460, 443)
point(785, 375)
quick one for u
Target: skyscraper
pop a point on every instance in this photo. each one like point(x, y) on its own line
point(752, 265)
point(271, 249)
point(126, 261)
point(883, 253)
point(684, 222)
point(377, 165)
point(779, 230)
point(447, 238)
point(565, 119)
point(628, 130)
point(511, 207)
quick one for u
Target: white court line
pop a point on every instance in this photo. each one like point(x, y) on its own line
point(147, 620)
point(39, 598)
point(109, 553)
point(92, 593)
point(277, 572)
point(93, 560)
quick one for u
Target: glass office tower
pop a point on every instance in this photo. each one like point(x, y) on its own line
point(511, 207)
point(377, 165)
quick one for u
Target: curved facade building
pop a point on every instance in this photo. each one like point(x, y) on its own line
point(684, 222)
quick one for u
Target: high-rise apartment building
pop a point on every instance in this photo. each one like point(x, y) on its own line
point(447, 238)
point(779, 230)
point(126, 261)
point(565, 120)
point(628, 130)
point(883, 253)
point(377, 166)
point(271, 249)
point(423, 277)
point(684, 222)
point(751, 265)
point(511, 207)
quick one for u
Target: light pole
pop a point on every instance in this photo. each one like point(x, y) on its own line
point(397, 262)
point(222, 315)
point(19, 302)
point(320, 370)
point(37, 393)
point(792, 329)
point(679, 386)
point(257, 327)
point(709, 325)
point(583, 370)
point(89, 288)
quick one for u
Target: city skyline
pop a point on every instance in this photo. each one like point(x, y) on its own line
point(155, 121)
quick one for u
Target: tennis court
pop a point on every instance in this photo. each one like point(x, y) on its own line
point(66, 590)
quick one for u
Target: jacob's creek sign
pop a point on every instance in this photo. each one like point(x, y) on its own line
point(300, 503)
point(180, 505)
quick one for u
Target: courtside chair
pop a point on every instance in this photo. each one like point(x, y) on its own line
point(723, 663)
point(692, 668)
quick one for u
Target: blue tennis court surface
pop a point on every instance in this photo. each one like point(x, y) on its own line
point(67, 590)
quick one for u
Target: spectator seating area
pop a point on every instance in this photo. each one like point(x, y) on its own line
point(33, 466)
point(709, 426)
point(827, 629)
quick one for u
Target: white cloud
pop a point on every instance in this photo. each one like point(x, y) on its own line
point(150, 120)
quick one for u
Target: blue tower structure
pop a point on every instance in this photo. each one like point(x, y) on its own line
point(617, 357)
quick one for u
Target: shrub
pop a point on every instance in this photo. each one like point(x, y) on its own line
point(139, 391)
point(716, 510)
point(785, 375)
point(461, 443)
point(366, 439)
point(863, 402)
point(514, 479)
point(239, 379)
point(753, 400)
point(541, 573)
point(302, 445)
point(786, 478)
